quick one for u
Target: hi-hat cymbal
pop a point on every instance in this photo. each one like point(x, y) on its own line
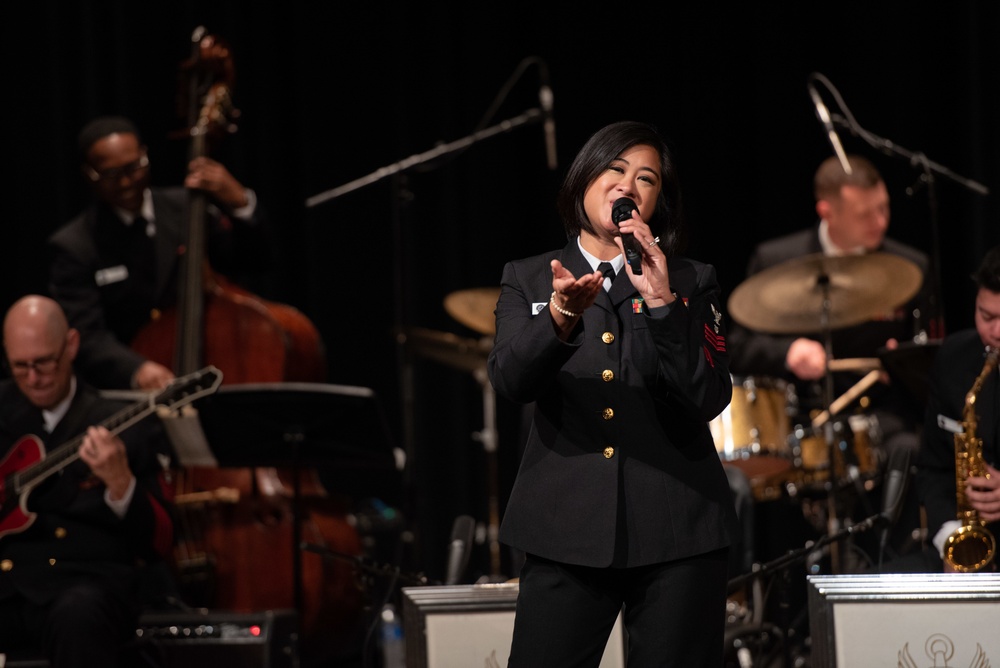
point(474, 308)
point(455, 351)
point(788, 298)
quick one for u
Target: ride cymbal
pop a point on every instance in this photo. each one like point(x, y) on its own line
point(474, 308)
point(789, 298)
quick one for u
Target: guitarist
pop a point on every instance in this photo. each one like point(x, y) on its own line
point(68, 579)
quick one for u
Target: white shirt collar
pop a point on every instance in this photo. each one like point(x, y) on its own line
point(146, 211)
point(831, 249)
point(617, 262)
point(52, 416)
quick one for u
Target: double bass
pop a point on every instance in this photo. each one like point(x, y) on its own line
point(235, 523)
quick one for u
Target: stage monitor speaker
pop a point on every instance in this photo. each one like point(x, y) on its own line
point(213, 639)
point(471, 625)
point(904, 619)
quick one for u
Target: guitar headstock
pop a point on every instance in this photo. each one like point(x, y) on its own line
point(186, 389)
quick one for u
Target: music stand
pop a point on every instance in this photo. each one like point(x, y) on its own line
point(296, 424)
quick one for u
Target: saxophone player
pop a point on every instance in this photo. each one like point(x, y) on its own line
point(960, 364)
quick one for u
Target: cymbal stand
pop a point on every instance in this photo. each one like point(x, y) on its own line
point(833, 523)
point(488, 437)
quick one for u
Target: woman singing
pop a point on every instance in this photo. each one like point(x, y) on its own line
point(621, 503)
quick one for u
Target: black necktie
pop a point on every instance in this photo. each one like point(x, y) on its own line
point(142, 255)
point(608, 270)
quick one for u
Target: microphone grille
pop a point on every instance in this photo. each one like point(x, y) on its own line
point(622, 210)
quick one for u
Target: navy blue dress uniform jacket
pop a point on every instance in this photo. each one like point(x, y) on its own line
point(619, 468)
point(109, 295)
point(76, 535)
point(956, 367)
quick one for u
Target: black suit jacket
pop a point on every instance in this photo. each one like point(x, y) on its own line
point(109, 298)
point(759, 353)
point(956, 367)
point(75, 534)
point(646, 388)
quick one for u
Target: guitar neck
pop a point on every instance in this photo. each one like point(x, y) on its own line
point(67, 453)
point(181, 392)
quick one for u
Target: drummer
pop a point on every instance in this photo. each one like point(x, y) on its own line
point(853, 212)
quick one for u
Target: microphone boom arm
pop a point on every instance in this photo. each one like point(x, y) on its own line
point(915, 158)
point(533, 115)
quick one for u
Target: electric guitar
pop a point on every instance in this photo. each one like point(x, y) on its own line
point(27, 464)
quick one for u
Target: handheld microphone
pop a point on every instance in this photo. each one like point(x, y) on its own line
point(459, 549)
point(622, 210)
point(824, 116)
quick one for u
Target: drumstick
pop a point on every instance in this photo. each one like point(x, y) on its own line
point(846, 398)
point(855, 364)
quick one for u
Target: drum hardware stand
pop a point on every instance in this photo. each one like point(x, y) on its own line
point(488, 437)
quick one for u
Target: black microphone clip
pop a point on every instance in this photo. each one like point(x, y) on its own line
point(622, 210)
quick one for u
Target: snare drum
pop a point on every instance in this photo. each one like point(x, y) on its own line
point(856, 446)
point(752, 432)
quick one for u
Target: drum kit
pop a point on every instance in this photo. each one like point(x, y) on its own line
point(810, 295)
point(828, 459)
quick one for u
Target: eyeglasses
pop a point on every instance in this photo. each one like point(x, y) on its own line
point(116, 173)
point(42, 366)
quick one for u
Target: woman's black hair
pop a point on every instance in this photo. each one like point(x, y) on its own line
point(596, 156)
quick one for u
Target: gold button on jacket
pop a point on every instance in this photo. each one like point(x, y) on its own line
point(608, 337)
point(608, 375)
point(609, 452)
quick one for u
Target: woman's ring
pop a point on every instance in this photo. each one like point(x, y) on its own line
point(654, 241)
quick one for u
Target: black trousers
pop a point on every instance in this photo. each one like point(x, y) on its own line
point(674, 613)
point(84, 626)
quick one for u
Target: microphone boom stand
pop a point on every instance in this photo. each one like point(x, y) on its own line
point(784, 562)
point(929, 168)
point(399, 170)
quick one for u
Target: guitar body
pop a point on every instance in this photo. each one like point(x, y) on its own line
point(28, 463)
point(14, 517)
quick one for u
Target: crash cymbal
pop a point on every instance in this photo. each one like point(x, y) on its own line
point(474, 308)
point(788, 298)
point(455, 351)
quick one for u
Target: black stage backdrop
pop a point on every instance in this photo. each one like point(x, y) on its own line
point(330, 92)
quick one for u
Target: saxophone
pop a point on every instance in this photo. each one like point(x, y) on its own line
point(971, 547)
